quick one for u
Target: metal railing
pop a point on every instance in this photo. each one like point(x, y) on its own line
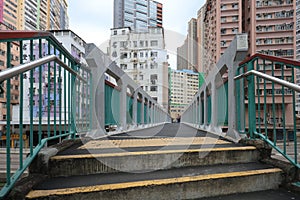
point(49, 96)
point(213, 107)
point(126, 105)
point(42, 87)
point(266, 102)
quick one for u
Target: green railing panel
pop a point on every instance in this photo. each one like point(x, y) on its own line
point(209, 109)
point(139, 112)
point(49, 93)
point(222, 108)
point(129, 109)
point(112, 105)
point(145, 113)
point(270, 105)
point(202, 112)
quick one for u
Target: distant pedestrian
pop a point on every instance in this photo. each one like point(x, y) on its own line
point(178, 118)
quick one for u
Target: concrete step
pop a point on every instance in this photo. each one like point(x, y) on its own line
point(183, 183)
point(278, 194)
point(147, 155)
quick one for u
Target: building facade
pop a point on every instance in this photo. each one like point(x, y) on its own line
point(298, 51)
point(57, 102)
point(8, 21)
point(143, 57)
point(200, 39)
point(184, 84)
point(271, 27)
point(182, 56)
point(40, 14)
point(187, 53)
point(222, 21)
point(138, 14)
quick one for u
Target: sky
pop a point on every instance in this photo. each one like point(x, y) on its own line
point(93, 19)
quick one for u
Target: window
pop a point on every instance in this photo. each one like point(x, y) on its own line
point(141, 77)
point(124, 55)
point(234, 5)
point(235, 18)
point(123, 44)
point(123, 66)
point(135, 66)
point(115, 32)
point(223, 31)
point(141, 43)
point(141, 54)
point(153, 88)
point(153, 54)
point(154, 43)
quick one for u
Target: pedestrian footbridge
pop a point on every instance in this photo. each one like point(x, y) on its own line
point(81, 135)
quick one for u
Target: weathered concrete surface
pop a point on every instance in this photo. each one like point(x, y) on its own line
point(178, 190)
point(148, 161)
point(41, 162)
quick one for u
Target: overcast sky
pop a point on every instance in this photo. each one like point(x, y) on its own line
point(93, 19)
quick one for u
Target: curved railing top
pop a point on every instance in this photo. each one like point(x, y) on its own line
point(31, 35)
point(271, 58)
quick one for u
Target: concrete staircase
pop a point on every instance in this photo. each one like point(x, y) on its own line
point(154, 168)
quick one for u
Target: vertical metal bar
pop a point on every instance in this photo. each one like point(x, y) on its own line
point(258, 98)
point(251, 101)
point(69, 99)
point(295, 120)
point(283, 111)
point(73, 104)
point(65, 97)
point(273, 108)
point(54, 93)
point(8, 100)
point(31, 100)
point(40, 93)
point(49, 95)
point(21, 108)
point(79, 93)
point(59, 94)
point(91, 101)
point(265, 102)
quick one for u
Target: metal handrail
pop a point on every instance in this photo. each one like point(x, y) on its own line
point(11, 72)
point(270, 78)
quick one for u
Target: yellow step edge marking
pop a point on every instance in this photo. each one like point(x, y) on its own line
point(117, 186)
point(101, 144)
point(152, 152)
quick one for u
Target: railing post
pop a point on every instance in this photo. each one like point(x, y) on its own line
point(134, 108)
point(214, 103)
point(251, 101)
point(205, 107)
point(142, 110)
point(123, 106)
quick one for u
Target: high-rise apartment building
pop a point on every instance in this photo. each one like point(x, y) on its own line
point(200, 39)
point(298, 51)
point(184, 84)
point(138, 14)
point(271, 27)
point(144, 58)
point(8, 21)
point(57, 18)
point(222, 21)
point(42, 14)
point(182, 56)
point(187, 53)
